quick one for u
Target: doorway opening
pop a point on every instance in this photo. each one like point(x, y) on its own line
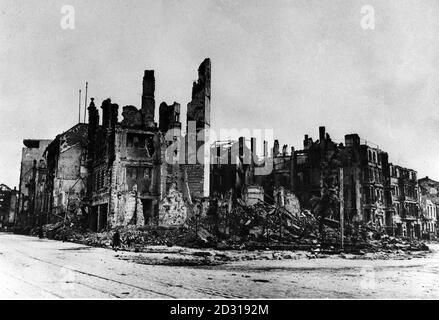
point(147, 210)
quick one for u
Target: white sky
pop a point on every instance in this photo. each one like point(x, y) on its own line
point(288, 65)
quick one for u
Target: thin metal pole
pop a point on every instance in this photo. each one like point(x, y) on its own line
point(79, 111)
point(341, 196)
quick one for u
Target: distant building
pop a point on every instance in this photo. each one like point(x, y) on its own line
point(429, 201)
point(374, 190)
point(32, 164)
point(405, 202)
point(317, 161)
point(8, 206)
point(365, 182)
point(66, 175)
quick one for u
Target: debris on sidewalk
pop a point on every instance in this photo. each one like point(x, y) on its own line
point(246, 232)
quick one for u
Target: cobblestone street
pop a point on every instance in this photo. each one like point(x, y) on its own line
point(38, 269)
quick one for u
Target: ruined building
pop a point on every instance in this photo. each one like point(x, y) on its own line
point(110, 172)
point(231, 166)
point(365, 182)
point(8, 206)
point(238, 171)
point(307, 171)
point(405, 201)
point(32, 171)
point(137, 171)
point(132, 178)
point(196, 165)
point(66, 174)
point(429, 203)
point(374, 190)
point(357, 173)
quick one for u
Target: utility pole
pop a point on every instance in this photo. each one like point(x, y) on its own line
point(34, 193)
point(341, 197)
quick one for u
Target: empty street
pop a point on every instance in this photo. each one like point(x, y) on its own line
point(33, 268)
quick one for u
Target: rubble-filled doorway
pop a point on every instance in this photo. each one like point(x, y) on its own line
point(102, 221)
point(147, 210)
point(417, 231)
point(93, 219)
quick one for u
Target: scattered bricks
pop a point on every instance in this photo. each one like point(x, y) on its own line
point(201, 254)
point(266, 256)
point(221, 256)
point(277, 256)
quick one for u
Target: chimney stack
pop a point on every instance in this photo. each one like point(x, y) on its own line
point(322, 133)
point(305, 141)
point(105, 112)
point(148, 101)
point(109, 114)
point(93, 118)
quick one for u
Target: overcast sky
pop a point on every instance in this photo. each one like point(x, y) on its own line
point(288, 65)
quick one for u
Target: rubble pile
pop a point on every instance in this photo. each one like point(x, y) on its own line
point(132, 237)
point(147, 236)
point(270, 223)
point(389, 243)
point(366, 237)
point(256, 227)
point(264, 225)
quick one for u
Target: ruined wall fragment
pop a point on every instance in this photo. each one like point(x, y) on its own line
point(132, 117)
point(173, 209)
point(198, 113)
point(169, 116)
point(285, 198)
point(148, 100)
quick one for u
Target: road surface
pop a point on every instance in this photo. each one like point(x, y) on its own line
point(32, 268)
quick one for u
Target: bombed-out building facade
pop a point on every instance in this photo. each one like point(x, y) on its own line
point(125, 167)
point(108, 173)
point(8, 206)
point(357, 173)
point(133, 178)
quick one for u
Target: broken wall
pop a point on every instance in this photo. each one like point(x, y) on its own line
point(198, 113)
point(287, 199)
point(135, 183)
point(68, 186)
point(173, 209)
